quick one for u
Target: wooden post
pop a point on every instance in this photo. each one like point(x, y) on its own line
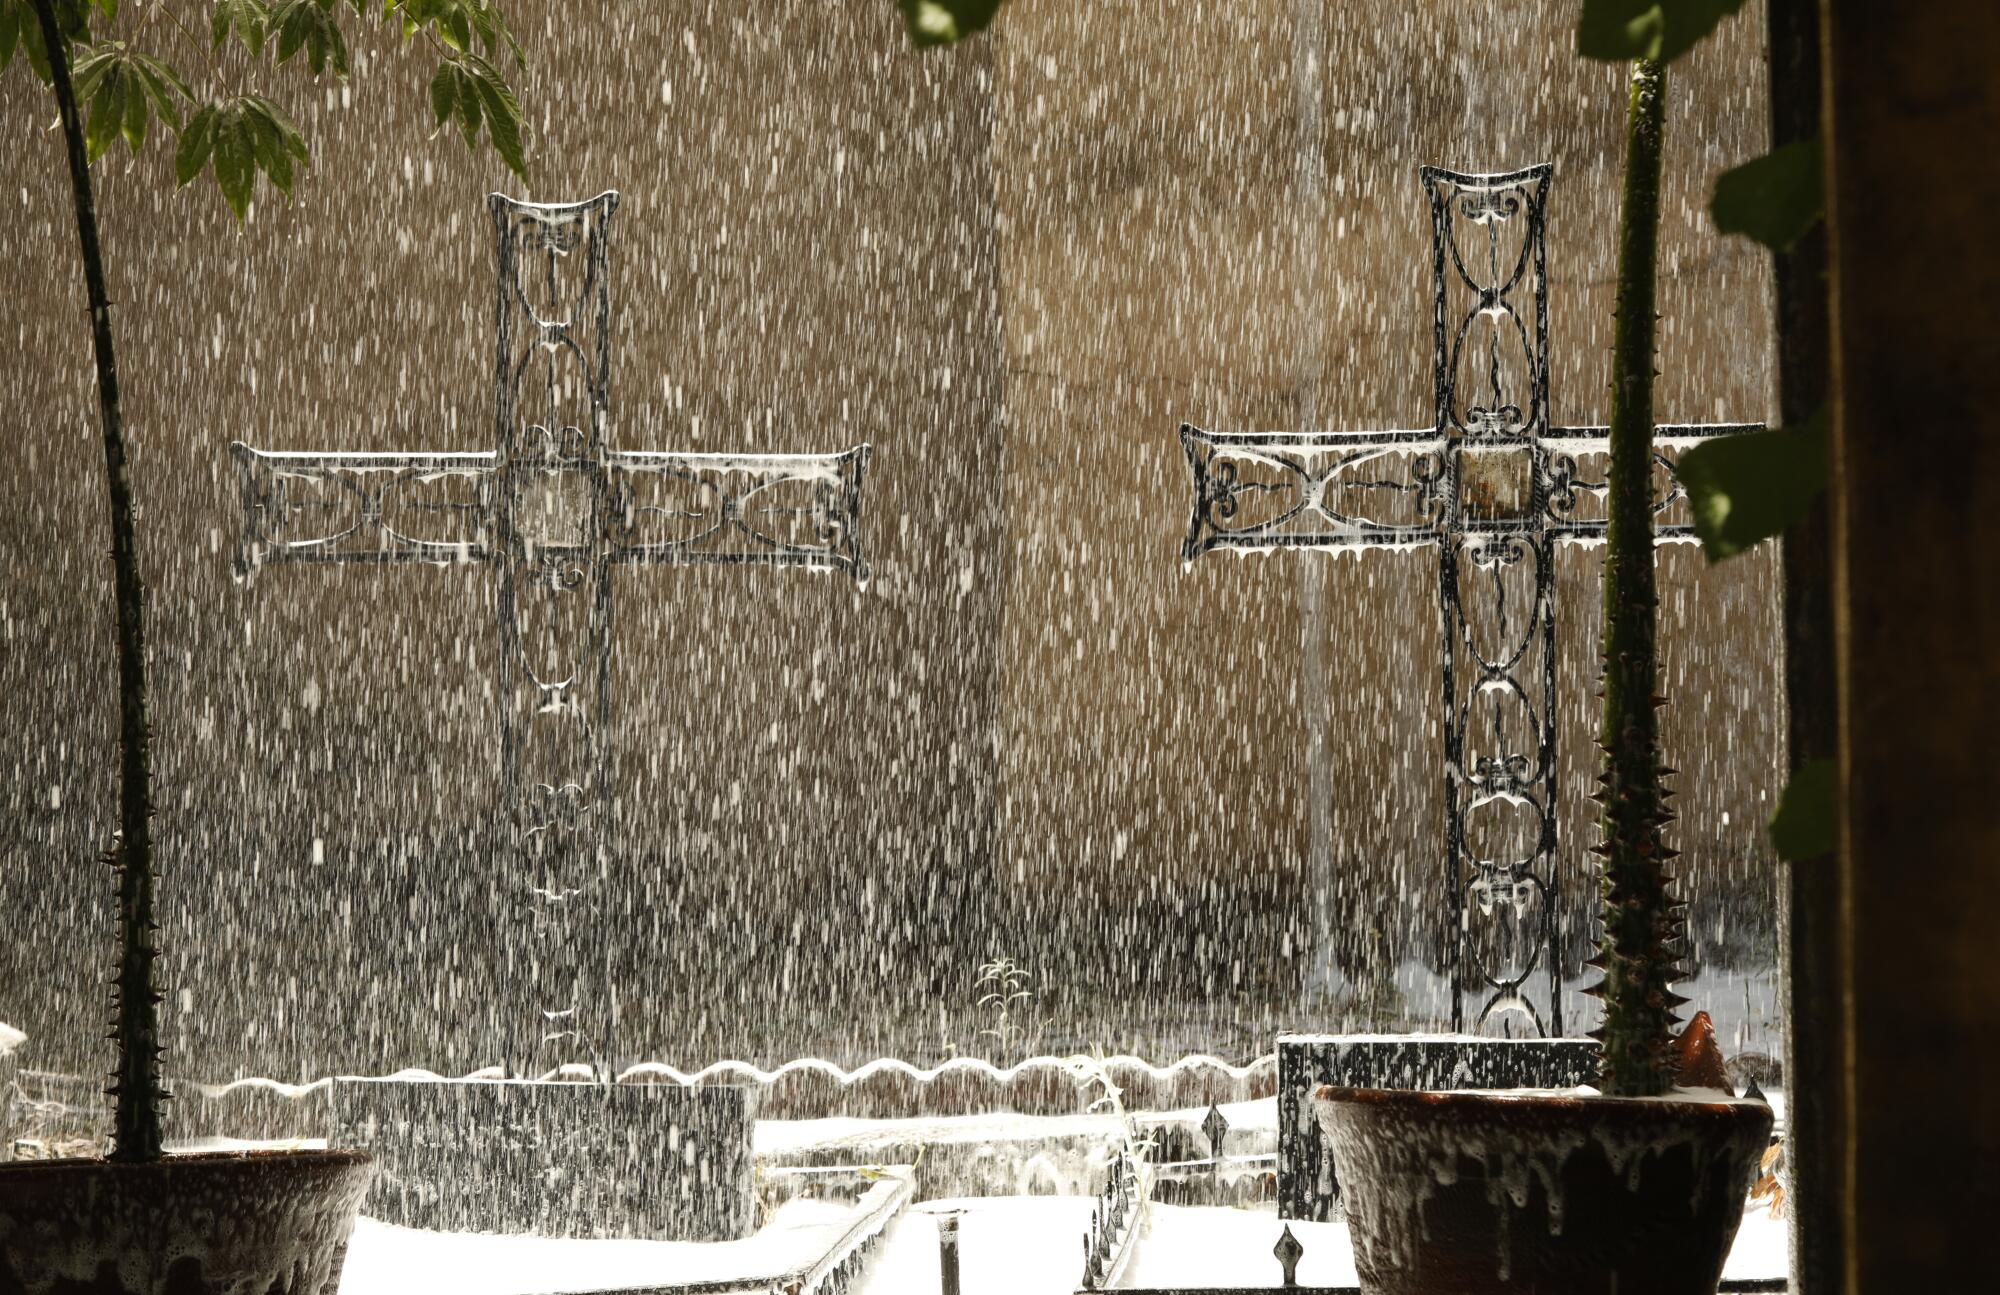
point(1810, 914)
point(1912, 102)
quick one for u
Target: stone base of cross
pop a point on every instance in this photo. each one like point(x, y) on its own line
point(553, 512)
point(1494, 488)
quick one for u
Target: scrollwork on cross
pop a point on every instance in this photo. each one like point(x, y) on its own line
point(1483, 206)
point(554, 813)
point(1502, 774)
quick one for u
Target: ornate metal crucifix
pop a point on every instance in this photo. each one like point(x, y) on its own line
point(1494, 488)
point(553, 511)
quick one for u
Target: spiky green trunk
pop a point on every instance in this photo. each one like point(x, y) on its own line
point(1640, 918)
point(135, 1083)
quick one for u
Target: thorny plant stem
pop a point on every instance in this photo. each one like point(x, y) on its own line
point(1640, 918)
point(136, 1081)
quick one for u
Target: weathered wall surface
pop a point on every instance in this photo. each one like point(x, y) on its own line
point(1015, 268)
point(1218, 220)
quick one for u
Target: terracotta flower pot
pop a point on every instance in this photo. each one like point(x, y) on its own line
point(273, 1222)
point(1541, 1193)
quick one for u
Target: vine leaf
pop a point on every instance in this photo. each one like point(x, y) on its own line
point(946, 22)
point(1621, 30)
point(1749, 487)
point(1775, 199)
point(1803, 828)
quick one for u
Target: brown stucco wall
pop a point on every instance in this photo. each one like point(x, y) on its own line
point(1014, 268)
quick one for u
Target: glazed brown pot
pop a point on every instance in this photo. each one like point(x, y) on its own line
point(1540, 1194)
point(268, 1222)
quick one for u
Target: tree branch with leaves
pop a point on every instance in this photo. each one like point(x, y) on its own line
point(235, 132)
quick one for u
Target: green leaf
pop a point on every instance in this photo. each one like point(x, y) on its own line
point(471, 111)
point(503, 114)
point(192, 156)
point(292, 20)
point(456, 31)
point(123, 90)
point(336, 45)
point(513, 43)
point(1775, 199)
point(167, 75)
point(88, 73)
point(250, 19)
point(34, 50)
point(134, 128)
point(310, 25)
point(1751, 486)
point(107, 116)
point(444, 92)
point(1621, 30)
point(946, 22)
point(10, 31)
point(483, 20)
point(235, 157)
point(162, 84)
point(275, 143)
point(72, 20)
point(1805, 825)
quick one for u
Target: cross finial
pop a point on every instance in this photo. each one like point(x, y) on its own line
point(1215, 1126)
point(1289, 1252)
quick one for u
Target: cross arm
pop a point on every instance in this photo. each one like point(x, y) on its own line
point(336, 506)
point(1259, 491)
point(786, 510)
point(1569, 486)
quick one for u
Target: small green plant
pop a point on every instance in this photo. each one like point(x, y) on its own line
point(1003, 991)
point(1092, 1073)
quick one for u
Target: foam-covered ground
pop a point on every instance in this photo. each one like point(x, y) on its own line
point(1008, 1245)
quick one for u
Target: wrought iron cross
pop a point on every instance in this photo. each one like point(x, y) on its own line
point(1494, 488)
point(553, 510)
